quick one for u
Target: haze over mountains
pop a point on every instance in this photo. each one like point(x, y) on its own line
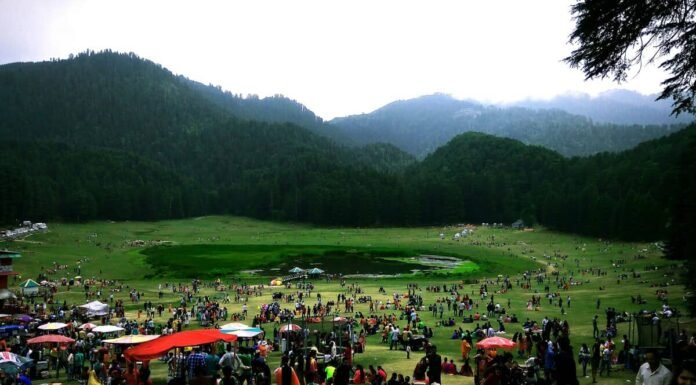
point(614, 106)
point(113, 136)
point(419, 126)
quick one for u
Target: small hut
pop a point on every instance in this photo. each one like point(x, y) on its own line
point(518, 224)
point(29, 287)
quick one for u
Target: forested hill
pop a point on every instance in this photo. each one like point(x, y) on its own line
point(135, 108)
point(123, 102)
point(628, 195)
point(419, 126)
point(112, 136)
point(276, 109)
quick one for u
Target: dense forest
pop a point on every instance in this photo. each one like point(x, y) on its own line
point(420, 126)
point(113, 136)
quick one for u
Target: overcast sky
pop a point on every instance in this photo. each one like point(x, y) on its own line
point(336, 57)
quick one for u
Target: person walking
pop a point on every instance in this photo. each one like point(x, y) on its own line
point(605, 364)
point(394, 338)
point(595, 359)
point(465, 348)
point(584, 358)
point(595, 328)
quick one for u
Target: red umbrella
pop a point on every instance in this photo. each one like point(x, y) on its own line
point(495, 343)
point(50, 338)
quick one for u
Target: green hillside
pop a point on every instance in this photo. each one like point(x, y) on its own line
point(113, 136)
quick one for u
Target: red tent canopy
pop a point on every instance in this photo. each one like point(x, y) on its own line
point(158, 347)
point(50, 338)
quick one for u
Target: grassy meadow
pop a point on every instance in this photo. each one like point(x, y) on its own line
point(142, 255)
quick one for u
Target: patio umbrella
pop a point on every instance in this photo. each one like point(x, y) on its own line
point(230, 327)
point(23, 318)
point(10, 360)
point(88, 326)
point(245, 333)
point(57, 338)
point(296, 270)
point(340, 320)
point(132, 339)
point(107, 329)
point(53, 326)
point(290, 328)
point(495, 343)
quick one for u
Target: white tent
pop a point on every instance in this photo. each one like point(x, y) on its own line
point(95, 308)
point(29, 287)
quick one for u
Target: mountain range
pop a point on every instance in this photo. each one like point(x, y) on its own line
point(113, 136)
point(419, 126)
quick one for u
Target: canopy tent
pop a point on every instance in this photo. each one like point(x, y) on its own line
point(158, 347)
point(132, 339)
point(56, 338)
point(315, 271)
point(29, 287)
point(95, 308)
point(53, 326)
point(296, 270)
point(495, 343)
point(107, 329)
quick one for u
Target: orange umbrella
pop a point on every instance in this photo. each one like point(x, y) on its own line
point(496, 343)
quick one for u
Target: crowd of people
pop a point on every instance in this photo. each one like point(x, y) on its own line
point(542, 351)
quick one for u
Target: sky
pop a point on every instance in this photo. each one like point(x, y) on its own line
point(337, 58)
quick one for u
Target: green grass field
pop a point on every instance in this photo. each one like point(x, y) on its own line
point(229, 247)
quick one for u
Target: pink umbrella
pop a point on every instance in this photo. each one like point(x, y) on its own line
point(290, 328)
point(50, 338)
point(88, 326)
point(495, 343)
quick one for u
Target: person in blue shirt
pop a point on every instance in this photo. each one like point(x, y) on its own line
point(23, 379)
